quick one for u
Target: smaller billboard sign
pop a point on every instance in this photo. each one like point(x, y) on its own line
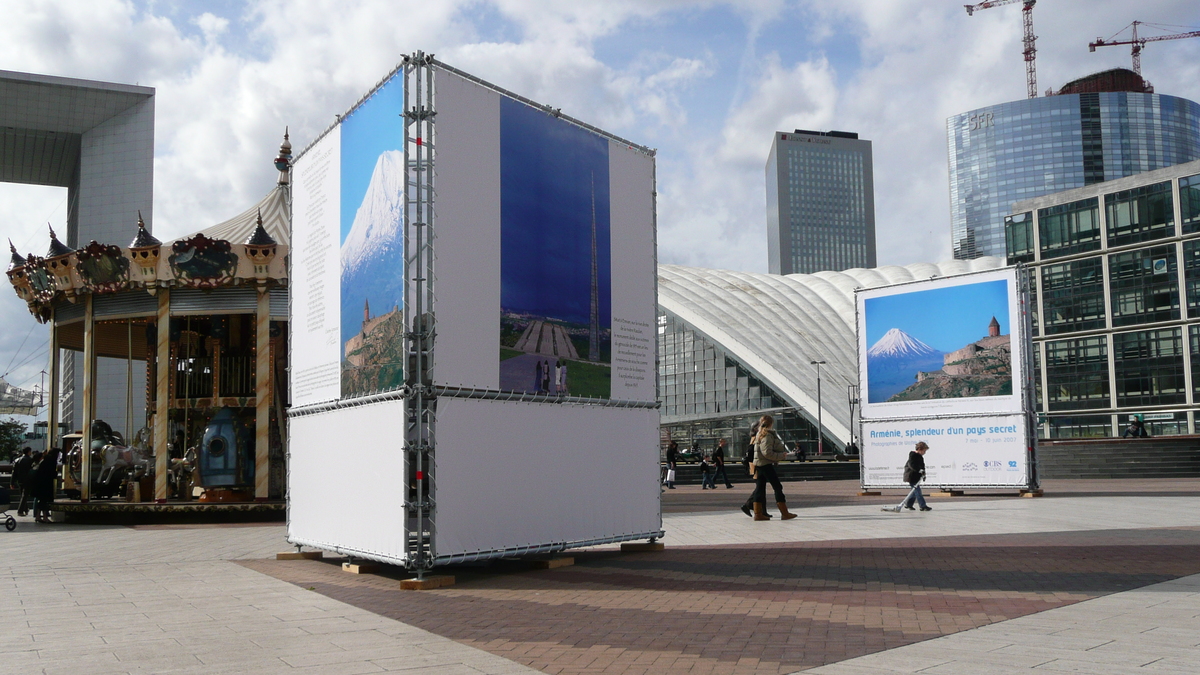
point(941, 347)
point(963, 451)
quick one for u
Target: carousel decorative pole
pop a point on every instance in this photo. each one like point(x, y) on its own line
point(162, 395)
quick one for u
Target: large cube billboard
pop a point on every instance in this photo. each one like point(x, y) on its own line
point(945, 361)
point(532, 260)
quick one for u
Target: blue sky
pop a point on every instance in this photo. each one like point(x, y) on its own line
point(943, 318)
point(370, 130)
point(705, 82)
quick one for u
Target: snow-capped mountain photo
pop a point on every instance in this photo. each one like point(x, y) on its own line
point(897, 344)
point(373, 253)
point(894, 361)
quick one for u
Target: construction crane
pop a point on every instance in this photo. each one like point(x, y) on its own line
point(1139, 42)
point(1030, 50)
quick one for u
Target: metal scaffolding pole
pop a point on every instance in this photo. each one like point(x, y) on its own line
point(418, 307)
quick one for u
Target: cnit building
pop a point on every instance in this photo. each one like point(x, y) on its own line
point(1102, 127)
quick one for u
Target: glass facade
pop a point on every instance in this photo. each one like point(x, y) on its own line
point(1116, 298)
point(1015, 151)
point(1141, 214)
point(1073, 296)
point(820, 204)
point(1149, 367)
point(1077, 373)
point(706, 394)
point(1145, 286)
point(1189, 204)
point(1068, 229)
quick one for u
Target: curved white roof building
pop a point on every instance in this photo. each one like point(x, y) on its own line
point(732, 344)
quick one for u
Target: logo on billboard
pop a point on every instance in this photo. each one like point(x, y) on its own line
point(970, 466)
point(1012, 465)
point(992, 465)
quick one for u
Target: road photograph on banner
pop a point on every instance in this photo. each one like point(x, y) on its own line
point(940, 347)
point(963, 452)
point(555, 270)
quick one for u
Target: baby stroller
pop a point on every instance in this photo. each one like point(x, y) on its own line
point(10, 523)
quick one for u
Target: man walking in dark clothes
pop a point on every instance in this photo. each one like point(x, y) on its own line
point(719, 462)
point(914, 473)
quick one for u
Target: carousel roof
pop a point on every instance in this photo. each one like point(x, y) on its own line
point(241, 228)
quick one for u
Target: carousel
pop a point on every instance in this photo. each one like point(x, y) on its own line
point(205, 316)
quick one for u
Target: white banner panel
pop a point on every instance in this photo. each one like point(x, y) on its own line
point(468, 234)
point(346, 480)
point(631, 189)
point(963, 451)
point(941, 347)
point(315, 269)
point(513, 474)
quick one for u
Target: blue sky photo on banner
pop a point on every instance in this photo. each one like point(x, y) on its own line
point(940, 343)
point(372, 243)
point(555, 257)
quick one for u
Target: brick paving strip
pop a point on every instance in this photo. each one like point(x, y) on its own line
point(759, 608)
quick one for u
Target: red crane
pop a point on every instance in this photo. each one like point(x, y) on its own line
point(1027, 21)
point(1138, 42)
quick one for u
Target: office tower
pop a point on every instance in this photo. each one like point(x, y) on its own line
point(1102, 127)
point(820, 202)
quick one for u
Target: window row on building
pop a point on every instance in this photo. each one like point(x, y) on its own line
point(1115, 302)
point(1133, 216)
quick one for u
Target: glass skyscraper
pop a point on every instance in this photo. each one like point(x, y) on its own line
point(1015, 151)
point(820, 203)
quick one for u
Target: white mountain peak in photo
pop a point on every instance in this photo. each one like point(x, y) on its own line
point(379, 218)
point(896, 342)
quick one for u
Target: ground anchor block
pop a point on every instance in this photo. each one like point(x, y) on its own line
point(360, 568)
point(427, 584)
point(298, 555)
point(551, 563)
point(1032, 493)
point(641, 546)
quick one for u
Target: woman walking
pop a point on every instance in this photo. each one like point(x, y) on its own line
point(769, 450)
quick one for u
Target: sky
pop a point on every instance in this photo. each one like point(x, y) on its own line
point(705, 82)
point(946, 319)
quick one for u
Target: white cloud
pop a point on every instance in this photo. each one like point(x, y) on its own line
point(211, 25)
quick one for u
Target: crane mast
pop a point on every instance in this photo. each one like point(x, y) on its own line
point(1028, 40)
point(1137, 43)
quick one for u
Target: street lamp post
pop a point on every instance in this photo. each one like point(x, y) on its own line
point(852, 398)
point(820, 424)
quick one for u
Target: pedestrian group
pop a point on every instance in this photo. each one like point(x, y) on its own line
point(764, 453)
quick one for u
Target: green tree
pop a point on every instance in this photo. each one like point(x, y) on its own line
point(12, 437)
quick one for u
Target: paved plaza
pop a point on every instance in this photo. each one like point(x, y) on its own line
point(1097, 577)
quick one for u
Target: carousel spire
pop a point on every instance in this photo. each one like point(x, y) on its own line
point(284, 161)
point(17, 260)
point(260, 236)
point(57, 248)
point(143, 238)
